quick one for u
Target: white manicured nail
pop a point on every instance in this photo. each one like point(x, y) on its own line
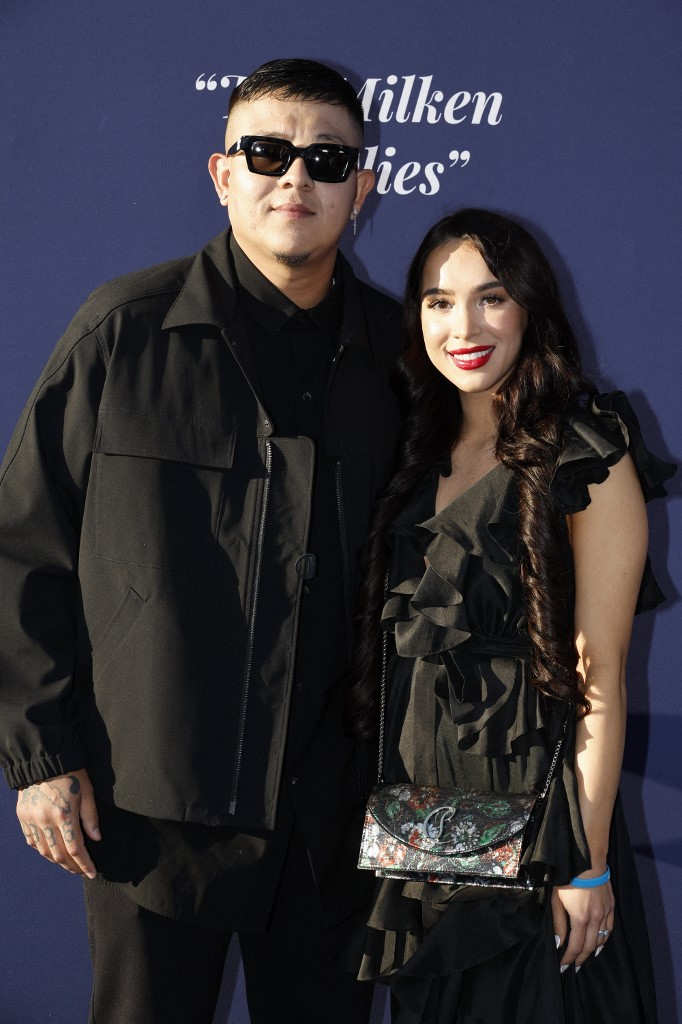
point(557, 941)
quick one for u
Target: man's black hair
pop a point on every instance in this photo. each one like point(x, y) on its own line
point(298, 79)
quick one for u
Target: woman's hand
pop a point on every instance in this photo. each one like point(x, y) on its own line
point(584, 915)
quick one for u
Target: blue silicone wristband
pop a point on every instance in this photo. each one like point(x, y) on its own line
point(591, 883)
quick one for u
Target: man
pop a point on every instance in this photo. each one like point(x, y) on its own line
point(181, 508)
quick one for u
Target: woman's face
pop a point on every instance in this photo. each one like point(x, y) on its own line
point(472, 329)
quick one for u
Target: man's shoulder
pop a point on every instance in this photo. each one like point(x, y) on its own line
point(153, 287)
point(377, 301)
point(383, 315)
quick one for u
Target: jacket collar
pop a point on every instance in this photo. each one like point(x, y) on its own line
point(209, 295)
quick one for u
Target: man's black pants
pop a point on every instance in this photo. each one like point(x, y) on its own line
point(150, 969)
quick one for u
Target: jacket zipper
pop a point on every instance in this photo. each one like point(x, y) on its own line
point(340, 513)
point(345, 569)
point(233, 349)
point(252, 631)
point(335, 362)
point(359, 765)
point(344, 558)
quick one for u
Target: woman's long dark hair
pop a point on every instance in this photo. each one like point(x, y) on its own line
point(529, 408)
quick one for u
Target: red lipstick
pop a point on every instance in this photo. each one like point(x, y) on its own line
point(471, 358)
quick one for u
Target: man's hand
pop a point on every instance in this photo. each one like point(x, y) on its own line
point(51, 814)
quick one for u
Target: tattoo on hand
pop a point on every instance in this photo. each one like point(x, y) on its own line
point(50, 836)
point(68, 832)
point(58, 798)
point(52, 792)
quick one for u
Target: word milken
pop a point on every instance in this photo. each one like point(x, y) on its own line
point(433, 104)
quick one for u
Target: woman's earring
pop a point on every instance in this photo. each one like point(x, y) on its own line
point(354, 218)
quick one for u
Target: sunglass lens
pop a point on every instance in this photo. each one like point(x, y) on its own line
point(268, 157)
point(327, 164)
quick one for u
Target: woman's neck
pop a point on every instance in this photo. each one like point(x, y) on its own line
point(473, 455)
point(478, 429)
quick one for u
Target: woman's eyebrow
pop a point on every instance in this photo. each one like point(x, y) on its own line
point(479, 288)
point(436, 291)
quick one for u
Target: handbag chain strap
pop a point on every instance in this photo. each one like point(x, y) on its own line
point(384, 684)
point(557, 751)
point(382, 706)
point(382, 714)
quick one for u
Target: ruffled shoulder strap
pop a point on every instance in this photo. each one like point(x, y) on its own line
point(596, 438)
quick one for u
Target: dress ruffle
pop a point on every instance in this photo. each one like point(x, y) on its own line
point(479, 673)
point(596, 439)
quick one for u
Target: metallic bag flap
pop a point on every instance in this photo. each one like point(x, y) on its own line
point(449, 821)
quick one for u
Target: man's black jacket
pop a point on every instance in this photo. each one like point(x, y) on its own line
point(151, 529)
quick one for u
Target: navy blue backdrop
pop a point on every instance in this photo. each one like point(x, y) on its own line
point(564, 115)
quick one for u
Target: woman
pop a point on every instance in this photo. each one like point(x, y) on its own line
point(515, 535)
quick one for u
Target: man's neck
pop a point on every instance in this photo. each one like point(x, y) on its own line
point(305, 285)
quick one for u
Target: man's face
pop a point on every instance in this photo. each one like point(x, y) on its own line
point(289, 221)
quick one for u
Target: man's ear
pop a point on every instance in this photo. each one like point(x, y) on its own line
point(219, 169)
point(364, 185)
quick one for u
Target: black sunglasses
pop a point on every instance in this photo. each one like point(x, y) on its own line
point(324, 161)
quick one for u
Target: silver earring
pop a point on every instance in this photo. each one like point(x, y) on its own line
point(354, 218)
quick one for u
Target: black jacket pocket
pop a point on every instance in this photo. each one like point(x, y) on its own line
point(158, 490)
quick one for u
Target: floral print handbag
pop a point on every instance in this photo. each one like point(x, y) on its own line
point(430, 834)
point(456, 836)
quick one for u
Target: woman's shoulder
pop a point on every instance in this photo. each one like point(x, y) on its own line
point(596, 436)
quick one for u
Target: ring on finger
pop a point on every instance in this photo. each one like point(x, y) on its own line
point(605, 932)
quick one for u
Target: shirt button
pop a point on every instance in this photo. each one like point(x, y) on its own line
point(307, 397)
point(294, 780)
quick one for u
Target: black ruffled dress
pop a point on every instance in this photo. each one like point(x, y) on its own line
point(462, 712)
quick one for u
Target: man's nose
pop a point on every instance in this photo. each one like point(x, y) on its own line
point(297, 174)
